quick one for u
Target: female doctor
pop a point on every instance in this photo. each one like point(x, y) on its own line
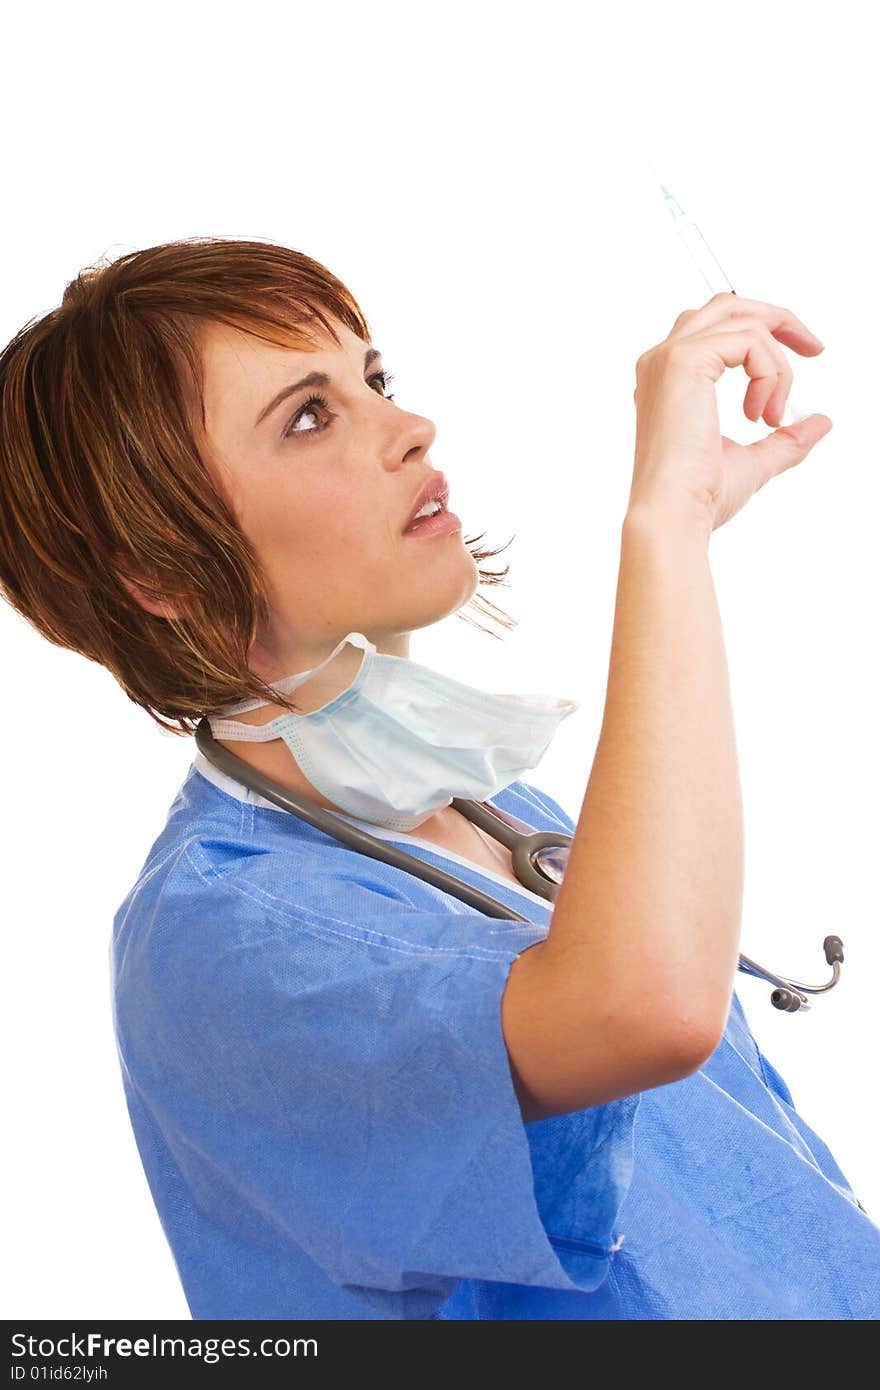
point(354, 1096)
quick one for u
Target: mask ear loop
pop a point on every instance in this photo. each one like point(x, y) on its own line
point(291, 683)
point(354, 639)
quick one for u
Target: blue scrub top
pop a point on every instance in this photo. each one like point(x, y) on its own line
point(315, 1072)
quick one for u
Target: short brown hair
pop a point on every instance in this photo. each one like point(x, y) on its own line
point(101, 476)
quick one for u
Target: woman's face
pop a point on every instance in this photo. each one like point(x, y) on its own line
point(323, 493)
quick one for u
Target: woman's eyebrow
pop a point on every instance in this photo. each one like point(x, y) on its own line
point(313, 379)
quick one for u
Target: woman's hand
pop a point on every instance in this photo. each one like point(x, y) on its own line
point(684, 466)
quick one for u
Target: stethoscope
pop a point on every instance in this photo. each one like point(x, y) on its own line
point(539, 859)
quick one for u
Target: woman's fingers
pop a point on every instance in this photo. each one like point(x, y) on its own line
point(774, 406)
point(680, 455)
point(767, 395)
point(785, 326)
point(748, 344)
point(764, 396)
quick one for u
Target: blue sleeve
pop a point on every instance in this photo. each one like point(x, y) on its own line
point(347, 1075)
point(774, 1080)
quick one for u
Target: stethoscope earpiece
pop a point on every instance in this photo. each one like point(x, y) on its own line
point(787, 1001)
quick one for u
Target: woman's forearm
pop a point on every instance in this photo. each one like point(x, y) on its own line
point(650, 906)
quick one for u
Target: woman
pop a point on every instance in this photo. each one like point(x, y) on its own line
point(353, 1095)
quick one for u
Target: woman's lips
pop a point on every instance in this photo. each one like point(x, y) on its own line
point(442, 523)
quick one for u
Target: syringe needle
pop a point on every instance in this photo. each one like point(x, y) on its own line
point(709, 267)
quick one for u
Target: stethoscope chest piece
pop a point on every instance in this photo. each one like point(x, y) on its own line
point(539, 857)
point(550, 862)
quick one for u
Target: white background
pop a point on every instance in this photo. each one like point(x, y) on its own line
point(476, 174)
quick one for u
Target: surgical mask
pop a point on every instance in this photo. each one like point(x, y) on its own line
point(402, 739)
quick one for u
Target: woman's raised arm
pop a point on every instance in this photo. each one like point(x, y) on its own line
point(632, 986)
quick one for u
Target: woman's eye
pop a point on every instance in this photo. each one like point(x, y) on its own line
point(305, 410)
point(386, 379)
point(383, 376)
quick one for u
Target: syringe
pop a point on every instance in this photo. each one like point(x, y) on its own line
point(707, 263)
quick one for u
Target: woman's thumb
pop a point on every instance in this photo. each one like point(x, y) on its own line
point(788, 445)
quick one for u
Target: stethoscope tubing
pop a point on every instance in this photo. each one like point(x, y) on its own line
point(788, 996)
